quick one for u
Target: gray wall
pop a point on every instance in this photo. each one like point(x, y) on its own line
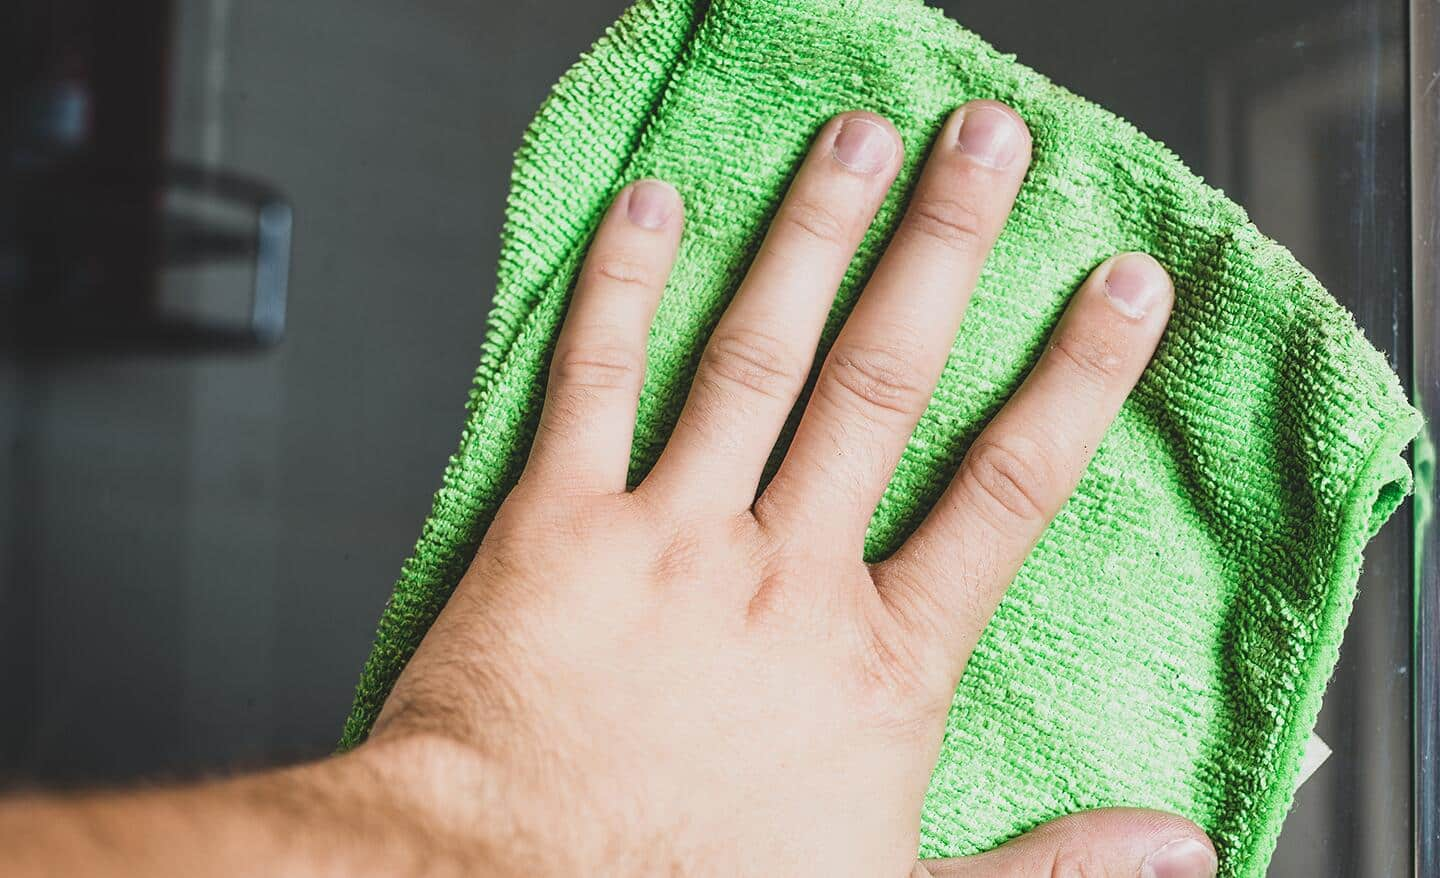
point(208, 540)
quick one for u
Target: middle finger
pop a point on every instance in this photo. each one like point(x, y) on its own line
point(881, 372)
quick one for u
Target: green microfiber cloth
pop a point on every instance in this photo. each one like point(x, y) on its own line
point(1168, 642)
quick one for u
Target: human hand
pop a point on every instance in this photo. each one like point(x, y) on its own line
point(685, 678)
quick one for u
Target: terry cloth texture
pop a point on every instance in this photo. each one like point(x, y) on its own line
point(1168, 642)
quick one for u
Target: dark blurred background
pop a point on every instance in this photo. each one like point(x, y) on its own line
point(246, 252)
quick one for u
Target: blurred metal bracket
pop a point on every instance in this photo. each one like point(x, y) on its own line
point(270, 246)
point(97, 243)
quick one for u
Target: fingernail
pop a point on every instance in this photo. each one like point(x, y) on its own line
point(862, 146)
point(1185, 858)
point(990, 136)
point(651, 203)
point(1134, 283)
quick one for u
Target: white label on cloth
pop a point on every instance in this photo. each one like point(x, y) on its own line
point(1316, 752)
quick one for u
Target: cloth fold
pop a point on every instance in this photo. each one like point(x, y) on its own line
point(1168, 642)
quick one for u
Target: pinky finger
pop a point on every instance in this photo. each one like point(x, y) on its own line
point(588, 423)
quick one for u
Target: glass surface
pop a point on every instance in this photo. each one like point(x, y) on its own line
point(201, 532)
point(1425, 235)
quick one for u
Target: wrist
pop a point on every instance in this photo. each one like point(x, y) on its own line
point(435, 780)
point(503, 815)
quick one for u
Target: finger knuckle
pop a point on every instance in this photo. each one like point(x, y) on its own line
point(1091, 357)
point(574, 522)
point(951, 222)
point(816, 221)
point(623, 269)
point(1073, 861)
point(1012, 481)
point(895, 686)
point(680, 557)
point(753, 361)
point(597, 368)
point(876, 379)
point(908, 589)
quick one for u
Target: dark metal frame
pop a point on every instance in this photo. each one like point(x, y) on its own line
point(1425, 381)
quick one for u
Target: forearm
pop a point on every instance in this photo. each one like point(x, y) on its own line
point(373, 811)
